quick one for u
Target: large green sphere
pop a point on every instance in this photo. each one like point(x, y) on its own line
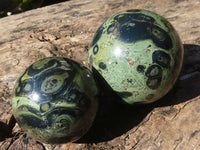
point(138, 53)
point(55, 100)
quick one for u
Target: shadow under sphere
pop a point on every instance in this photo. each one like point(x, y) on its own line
point(115, 118)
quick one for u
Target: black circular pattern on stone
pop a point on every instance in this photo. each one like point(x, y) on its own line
point(36, 86)
point(45, 104)
point(129, 80)
point(133, 10)
point(131, 28)
point(123, 17)
point(102, 65)
point(32, 71)
point(161, 38)
point(95, 49)
point(124, 94)
point(111, 28)
point(161, 58)
point(50, 84)
point(154, 74)
point(141, 68)
point(22, 91)
point(97, 35)
point(32, 121)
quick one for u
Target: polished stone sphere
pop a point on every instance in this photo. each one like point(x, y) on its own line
point(55, 100)
point(138, 53)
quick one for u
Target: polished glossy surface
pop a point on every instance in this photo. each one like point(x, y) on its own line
point(139, 54)
point(55, 100)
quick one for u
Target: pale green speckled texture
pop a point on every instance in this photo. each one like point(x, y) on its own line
point(139, 54)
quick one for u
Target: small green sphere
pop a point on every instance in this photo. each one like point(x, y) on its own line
point(138, 53)
point(55, 100)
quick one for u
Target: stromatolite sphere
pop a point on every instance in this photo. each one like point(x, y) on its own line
point(55, 100)
point(138, 53)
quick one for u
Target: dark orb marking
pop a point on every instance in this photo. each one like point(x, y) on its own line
point(71, 100)
point(131, 28)
point(58, 111)
point(102, 65)
point(150, 96)
point(141, 68)
point(161, 58)
point(153, 83)
point(111, 28)
point(28, 108)
point(76, 97)
point(21, 90)
point(32, 72)
point(154, 74)
point(35, 82)
point(46, 96)
point(33, 121)
point(64, 123)
point(50, 84)
point(132, 34)
point(97, 35)
point(39, 123)
point(54, 81)
point(124, 94)
point(124, 17)
point(72, 96)
point(42, 107)
point(154, 71)
point(148, 46)
point(133, 10)
point(95, 49)
point(161, 38)
point(18, 101)
point(129, 80)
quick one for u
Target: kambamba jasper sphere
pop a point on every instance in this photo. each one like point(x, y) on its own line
point(55, 100)
point(138, 53)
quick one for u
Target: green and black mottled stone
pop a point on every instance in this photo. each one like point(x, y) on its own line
point(138, 53)
point(55, 100)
